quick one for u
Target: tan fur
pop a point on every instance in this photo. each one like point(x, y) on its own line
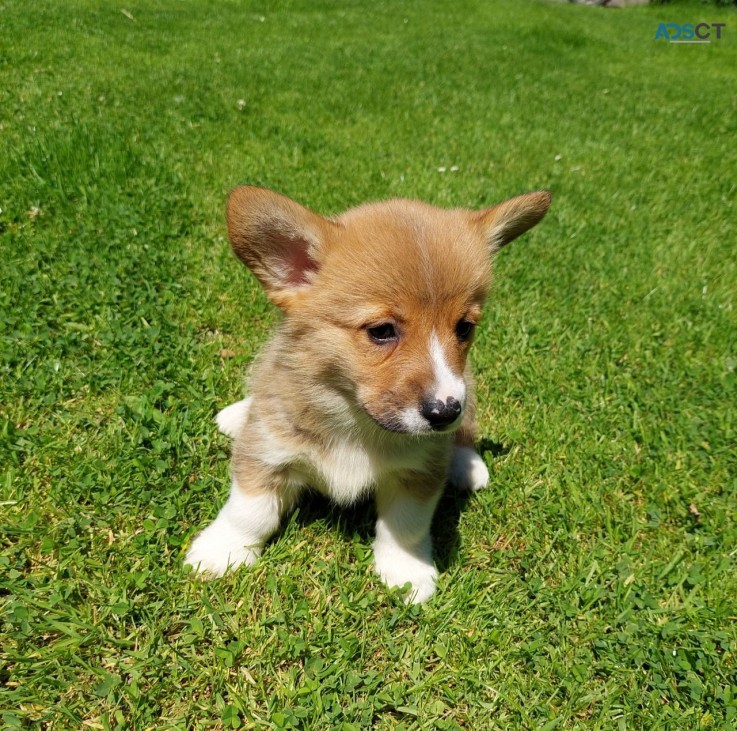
point(468, 430)
point(332, 408)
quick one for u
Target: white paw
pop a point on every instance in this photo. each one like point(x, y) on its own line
point(467, 470)
point(231, 419)
point(218, 549)
point(396, 567)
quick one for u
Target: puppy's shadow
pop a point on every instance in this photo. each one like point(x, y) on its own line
point(358, 520)
point(489, 446)
point(446, 537)
point(353, 520)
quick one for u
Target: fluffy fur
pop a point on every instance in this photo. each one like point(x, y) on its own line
point(364, 386)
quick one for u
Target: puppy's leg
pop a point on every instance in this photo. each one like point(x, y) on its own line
point(403, 548)
point(468, 472)
point(232, 419)
point(243, 525)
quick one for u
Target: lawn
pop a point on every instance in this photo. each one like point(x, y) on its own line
point(593, 585)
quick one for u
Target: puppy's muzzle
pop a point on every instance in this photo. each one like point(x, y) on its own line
point(441, 414)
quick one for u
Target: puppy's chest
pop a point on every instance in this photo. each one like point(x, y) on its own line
point(348, 469)
point(340, 465)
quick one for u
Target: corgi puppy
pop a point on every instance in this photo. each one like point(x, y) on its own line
point(365, 384)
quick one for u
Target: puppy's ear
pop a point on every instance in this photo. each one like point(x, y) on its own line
point(506, 221)
point(280, 241)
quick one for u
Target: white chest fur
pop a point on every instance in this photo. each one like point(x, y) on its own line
point(344, 472)
point(348, 469)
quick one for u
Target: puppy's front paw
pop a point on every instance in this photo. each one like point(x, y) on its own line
point(231, 419)
point(219, 549)
point(397, 568)
point(467, 470)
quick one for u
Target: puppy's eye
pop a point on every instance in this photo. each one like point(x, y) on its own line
point(464, 328)
point(384, 333)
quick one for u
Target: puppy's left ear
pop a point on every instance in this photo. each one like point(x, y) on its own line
point(508, 220)
point(280, 241)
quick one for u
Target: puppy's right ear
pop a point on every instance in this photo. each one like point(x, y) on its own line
point(280, 241)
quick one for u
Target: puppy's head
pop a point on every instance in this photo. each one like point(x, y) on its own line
point(381, 303)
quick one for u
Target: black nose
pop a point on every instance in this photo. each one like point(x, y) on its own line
point(441, 413)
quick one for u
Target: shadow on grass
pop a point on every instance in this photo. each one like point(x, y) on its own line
point(358, 520)
point(353, 520)
point(446, 538)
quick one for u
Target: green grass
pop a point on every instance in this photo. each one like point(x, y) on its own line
point(592, 586)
